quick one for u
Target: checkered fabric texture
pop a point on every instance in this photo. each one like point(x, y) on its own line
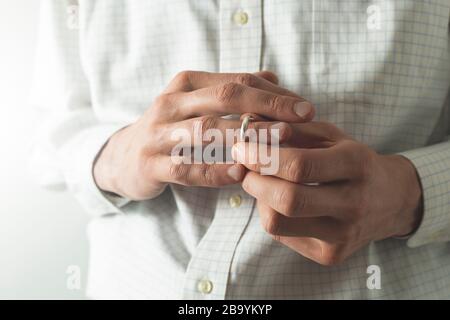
point(380, 70)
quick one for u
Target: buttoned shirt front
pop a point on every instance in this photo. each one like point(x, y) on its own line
point(380, 70)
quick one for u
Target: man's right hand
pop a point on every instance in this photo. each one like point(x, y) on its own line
point(136, 162)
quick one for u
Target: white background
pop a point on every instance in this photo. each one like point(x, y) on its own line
point(41, 232)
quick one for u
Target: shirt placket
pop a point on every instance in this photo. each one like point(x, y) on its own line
point(240, 35)
point(209, 268)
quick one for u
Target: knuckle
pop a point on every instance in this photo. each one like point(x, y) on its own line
point(289, 201)
point(207, 175)
point(300, 203)
point(306, 171)
point(359, 209)
point(295, 169)
point(248, 186)
point(362, 157)
point(207, 122)
point(247, 79)
point(367, 161)
point(162, 101)
point(183, 76)
point(275, 103)
point(228, 91)
point(162, 106)
point(272, 224)
point(331, 257)
point(178, 172)
point(280, 196)
point(269, 76)
point(329, 131)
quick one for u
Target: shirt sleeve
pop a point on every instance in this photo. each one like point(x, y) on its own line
point(68, 133)
point(433, 167)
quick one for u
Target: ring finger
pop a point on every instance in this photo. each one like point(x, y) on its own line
point(210, 129)
point(278, 225)
point(296, 200)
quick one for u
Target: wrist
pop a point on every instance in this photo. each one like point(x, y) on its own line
point(102, 167)
point(411, 212)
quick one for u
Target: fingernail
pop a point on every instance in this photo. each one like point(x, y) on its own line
point(303, 109)
point(235, 172)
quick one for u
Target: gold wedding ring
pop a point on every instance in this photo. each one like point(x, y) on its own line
point(244, 126)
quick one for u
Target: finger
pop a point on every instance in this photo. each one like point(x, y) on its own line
point(315, 134)
point(278, 225)
point(232, 98)
point(268, 75)
point(310, 248)
point(327, 253)
point(178, 170)
point(295, 200)
point(209, 129)
point(193, 80)
point(253, 116)
point(300, 165)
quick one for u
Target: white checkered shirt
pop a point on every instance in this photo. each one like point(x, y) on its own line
point(379, 69)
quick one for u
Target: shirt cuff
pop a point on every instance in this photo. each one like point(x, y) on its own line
point(78, 157)
point(433, 167)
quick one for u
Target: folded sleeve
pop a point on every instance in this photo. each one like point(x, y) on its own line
point(433, 167)
point(68, 134)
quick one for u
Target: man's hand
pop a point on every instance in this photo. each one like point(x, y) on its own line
point(332, 195)
point(137, 163)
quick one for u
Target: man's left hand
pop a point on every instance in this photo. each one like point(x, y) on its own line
point(332, 195)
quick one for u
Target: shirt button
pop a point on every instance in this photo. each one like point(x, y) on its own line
point(240, 18)
point(205, 286)
point(235, 201)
